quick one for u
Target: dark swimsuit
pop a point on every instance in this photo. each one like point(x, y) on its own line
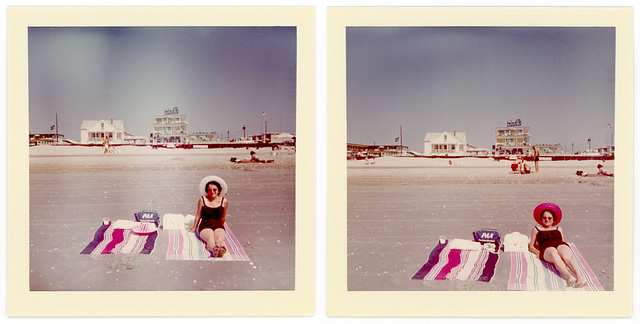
point(211, 217)
point(547, 239)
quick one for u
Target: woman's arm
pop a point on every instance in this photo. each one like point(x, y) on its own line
point(225, 205)
point(196, 221)
point(532, 243)
point(561, 233)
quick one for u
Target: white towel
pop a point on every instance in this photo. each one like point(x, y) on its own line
point(173, 222)
point(516, 242)
point(188, 220)
point(124, 224)
point(460, 244)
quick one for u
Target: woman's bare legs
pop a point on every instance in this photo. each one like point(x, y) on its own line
point(219, 235)
point(207, 235)
point(567, 257)
point(551, 255)
point(214, 240)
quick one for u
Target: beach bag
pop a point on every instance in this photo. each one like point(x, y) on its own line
point(490, 239)
point(149, 216)
point(487, 235)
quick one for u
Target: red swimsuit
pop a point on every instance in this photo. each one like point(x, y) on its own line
point(547, 239)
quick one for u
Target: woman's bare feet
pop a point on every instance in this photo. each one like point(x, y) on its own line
point(571, 281)
point(580, 283)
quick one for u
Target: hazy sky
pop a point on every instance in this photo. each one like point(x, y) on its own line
point(558, 81)
point(221, 77)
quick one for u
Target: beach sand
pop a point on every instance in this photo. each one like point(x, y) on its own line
point(73, 188)
point(398, 207)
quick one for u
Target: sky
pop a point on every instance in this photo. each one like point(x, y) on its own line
point(558, 81)
point(221, 77)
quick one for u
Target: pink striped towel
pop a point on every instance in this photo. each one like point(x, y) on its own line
point(528, 272)
point(445, 263)
point(111, 240)
point(184, 245)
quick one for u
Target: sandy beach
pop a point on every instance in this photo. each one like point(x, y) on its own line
point(398, 207)
point(73, 188)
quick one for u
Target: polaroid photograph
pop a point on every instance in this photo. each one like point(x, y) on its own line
point(163, 161)
point(479, 154)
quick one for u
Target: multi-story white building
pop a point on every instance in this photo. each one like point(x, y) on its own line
point(170, 127)
point(513, 139)
point(445, 144)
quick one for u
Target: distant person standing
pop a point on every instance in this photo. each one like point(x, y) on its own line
point(105, 145)
point(536, 157)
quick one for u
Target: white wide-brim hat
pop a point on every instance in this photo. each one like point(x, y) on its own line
point(210, 178)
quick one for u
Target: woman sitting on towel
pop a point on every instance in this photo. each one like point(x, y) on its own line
point(549, 245)
point(210, 215)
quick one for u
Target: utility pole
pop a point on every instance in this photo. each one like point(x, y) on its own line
point(400, 140)
point(57, 136)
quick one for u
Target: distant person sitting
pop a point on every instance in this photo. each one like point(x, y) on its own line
point(602, 171)
point(523, 167)
point(526, 169)
point(255, 157)
point(515, 167)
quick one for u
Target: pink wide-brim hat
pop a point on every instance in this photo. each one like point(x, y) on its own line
point(537, 213)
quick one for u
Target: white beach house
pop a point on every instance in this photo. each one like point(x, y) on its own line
point(445, 144)
point(94, 131)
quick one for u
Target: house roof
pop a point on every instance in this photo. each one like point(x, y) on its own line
point(111, 125)
point(459, 137)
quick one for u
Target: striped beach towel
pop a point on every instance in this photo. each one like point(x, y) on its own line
point(184, 245)
point(110, 240)
point(453, 264)
point(528, 272)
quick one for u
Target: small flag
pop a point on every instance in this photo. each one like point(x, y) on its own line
point(53, 127)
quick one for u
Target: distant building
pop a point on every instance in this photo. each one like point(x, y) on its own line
point(361, 151)
point(275, 138)
point(45, 139)
point(170, 128)
point(130, 139)
point(513, 139)
point(477, 151)
point(549, 149)
point(95, 131)
point(445, 144)
point(202, 137)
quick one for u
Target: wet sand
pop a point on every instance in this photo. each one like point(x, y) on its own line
point(398, 207)
point(73, 188)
